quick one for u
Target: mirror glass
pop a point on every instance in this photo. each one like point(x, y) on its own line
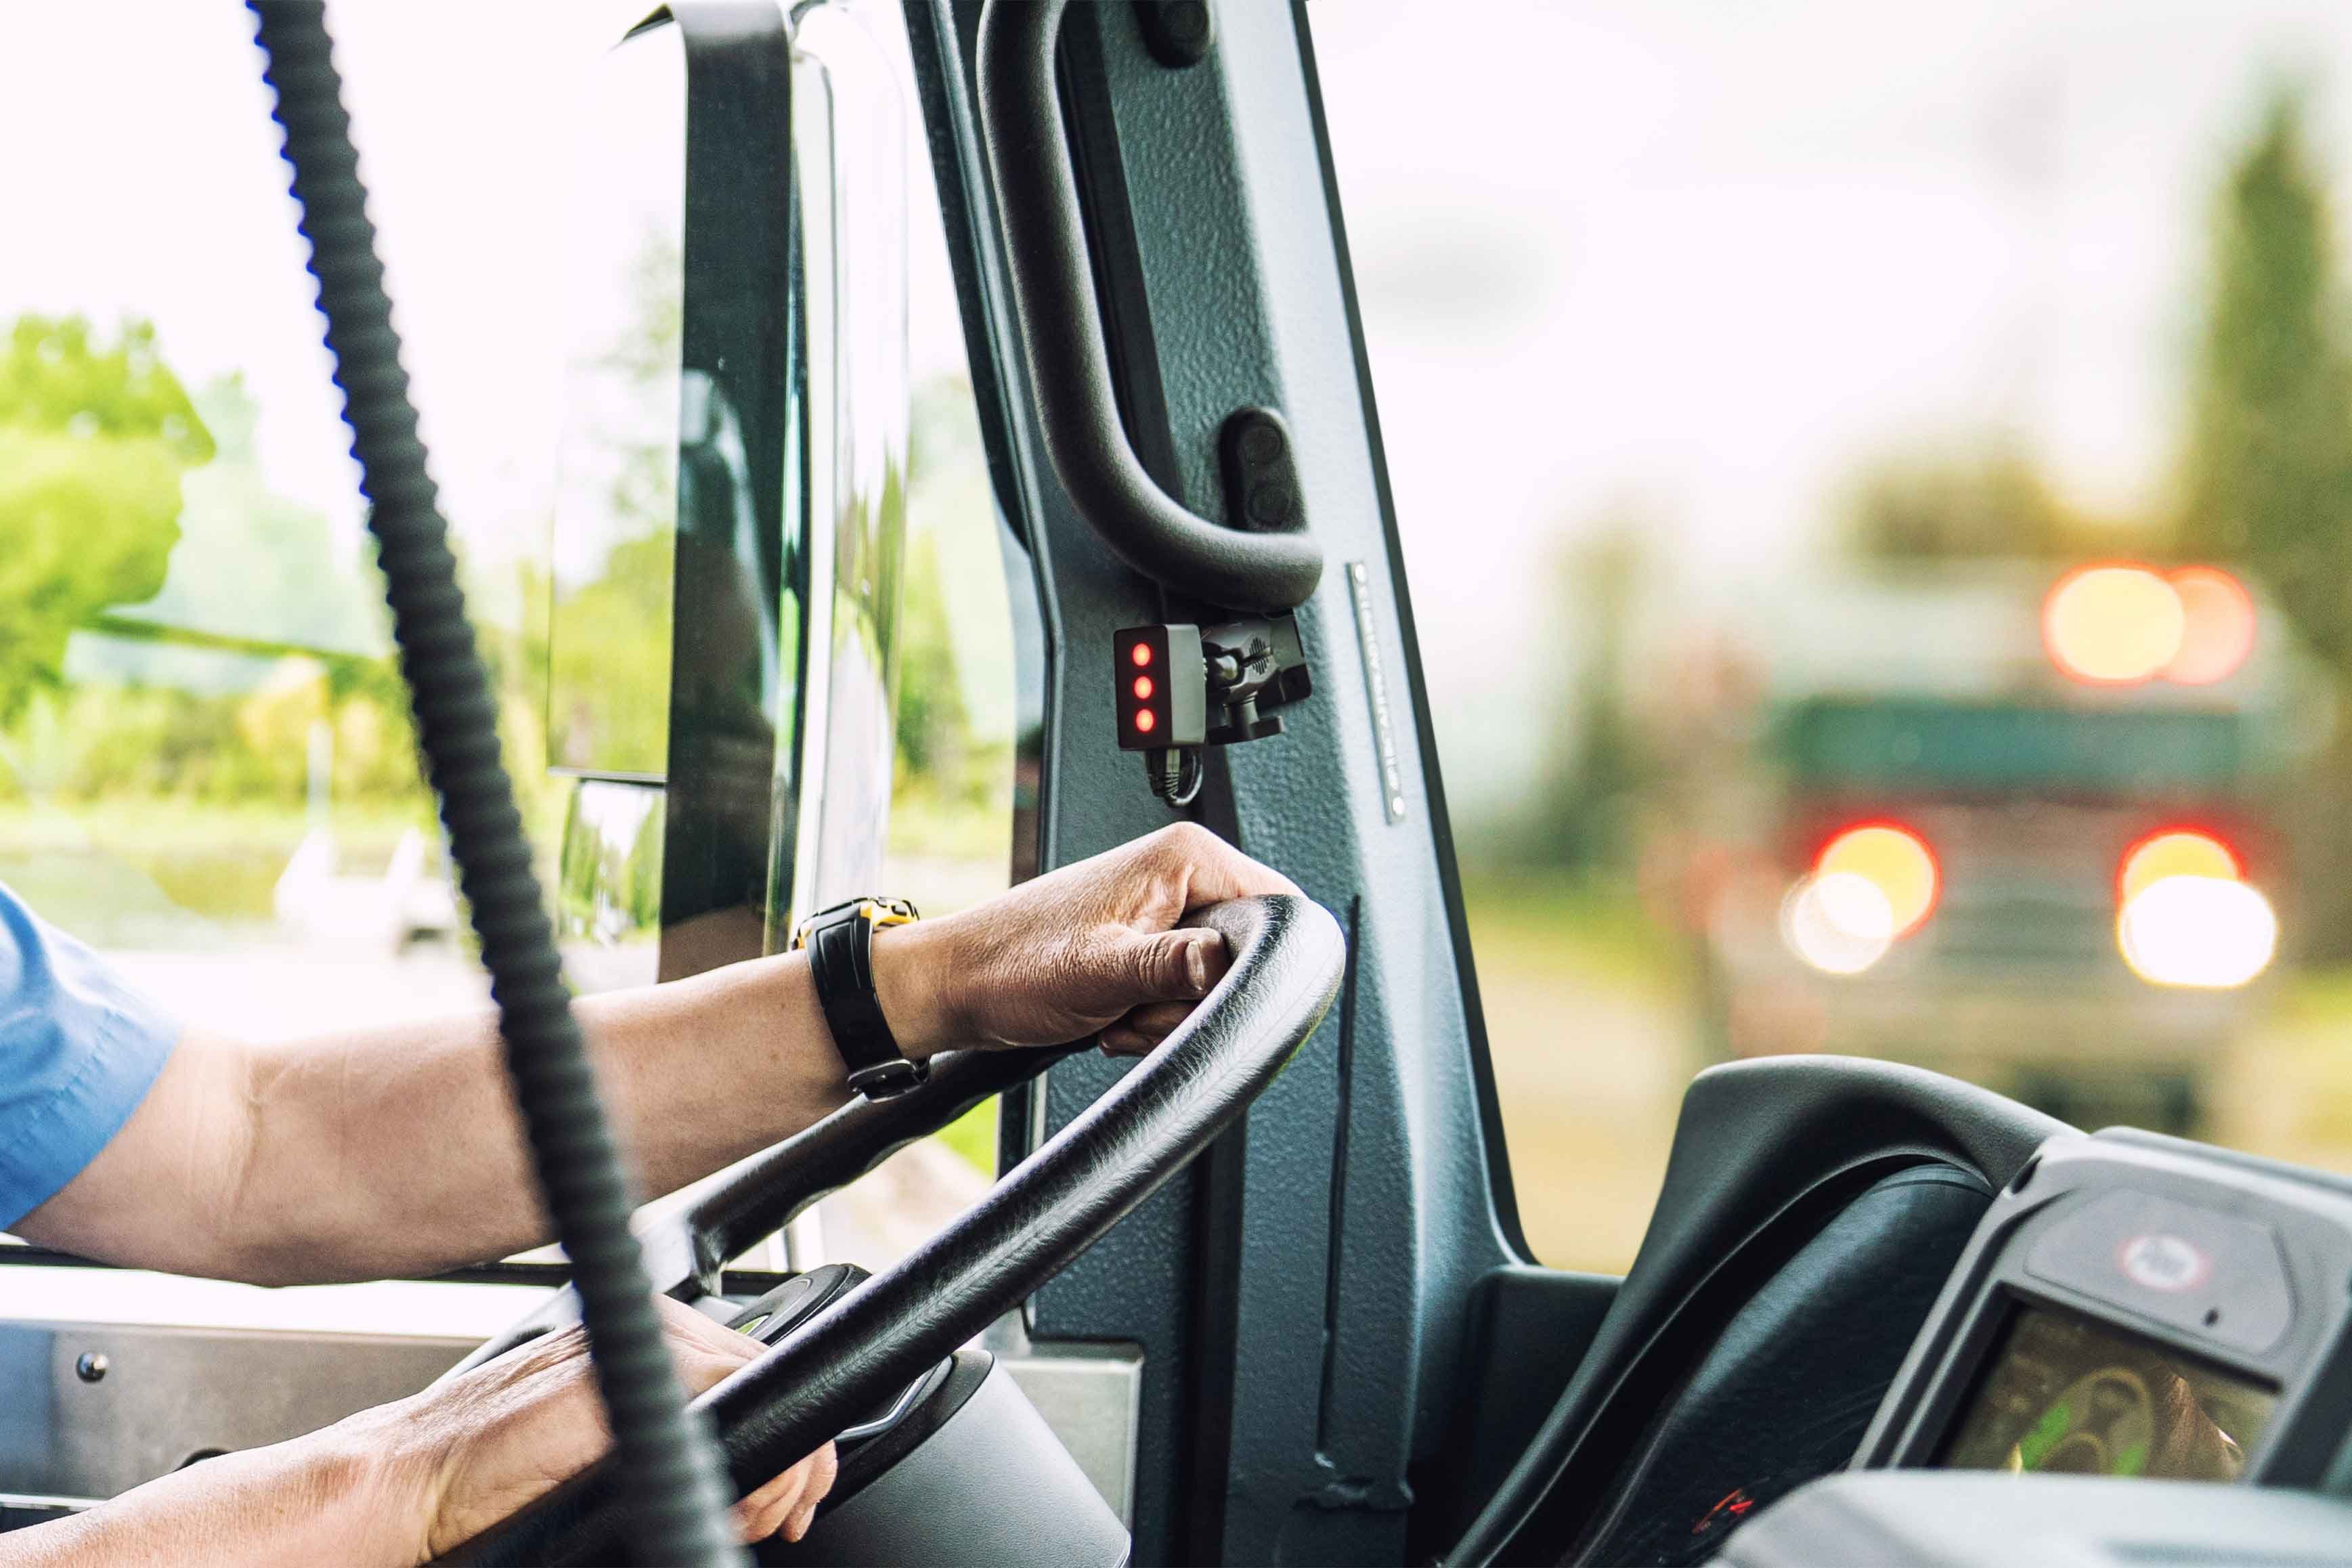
point(849, 155)
point(616, 507)
point(678, 637)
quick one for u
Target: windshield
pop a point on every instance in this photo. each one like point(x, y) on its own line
point(206, 769)
point(1914, 498)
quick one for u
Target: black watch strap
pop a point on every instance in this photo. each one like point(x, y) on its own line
point(840, 944)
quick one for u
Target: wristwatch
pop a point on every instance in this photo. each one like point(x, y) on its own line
point(839, 941)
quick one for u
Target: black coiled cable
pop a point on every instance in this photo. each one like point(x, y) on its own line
point(668, 1467)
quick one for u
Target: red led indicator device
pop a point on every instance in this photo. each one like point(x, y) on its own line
point(1159, 696)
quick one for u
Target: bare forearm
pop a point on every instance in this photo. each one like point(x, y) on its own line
point(399, 1150)
point(319, 1499)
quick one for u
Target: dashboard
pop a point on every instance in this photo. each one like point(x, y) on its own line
point(2065, 1394)
point(2135, 1306)
point(1882, 1315)
point(2131, 1308)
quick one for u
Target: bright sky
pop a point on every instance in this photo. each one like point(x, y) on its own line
point(160, 194)
point(1694, 256)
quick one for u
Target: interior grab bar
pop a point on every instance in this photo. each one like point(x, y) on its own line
point(1061, 328)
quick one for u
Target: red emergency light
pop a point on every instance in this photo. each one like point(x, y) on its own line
point(1162, 690)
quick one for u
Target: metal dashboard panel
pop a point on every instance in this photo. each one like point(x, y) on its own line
point(168, 1395)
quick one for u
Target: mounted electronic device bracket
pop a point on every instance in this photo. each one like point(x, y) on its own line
point(1180, 688)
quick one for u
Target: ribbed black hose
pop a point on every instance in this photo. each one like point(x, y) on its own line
point(672, 1474)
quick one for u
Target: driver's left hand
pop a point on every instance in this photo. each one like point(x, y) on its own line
point(1091, 949)
point(479, 1447)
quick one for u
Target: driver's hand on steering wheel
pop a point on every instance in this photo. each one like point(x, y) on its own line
point(1091, 949)
point(1094, 948)
point(477, 1448)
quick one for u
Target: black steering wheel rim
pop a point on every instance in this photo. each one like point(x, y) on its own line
point(1287, 957)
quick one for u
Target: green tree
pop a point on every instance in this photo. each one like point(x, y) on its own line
point(2267, 474)
point(2266, 466)
point(95, 434)
point(609, 657)
point(607, 636)
point(253, 563)
point(1596, 764)
point(1992, 502)
point(933, 726)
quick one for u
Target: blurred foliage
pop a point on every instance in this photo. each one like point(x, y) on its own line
point(132, 870)
point(611, 664)
point(2266, 478)
point(95, 434)
point(972, 1137)
point(101, 741)
point(2266, 471)
point(608, 654)
point(1596, 762)
point(1530, 918)
point(1989, 503)
point(57, 377)
point(952, 800)
point(934, 727)
point(190, 658)
point(252, 564)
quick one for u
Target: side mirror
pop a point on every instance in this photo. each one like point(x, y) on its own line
point(724, 565)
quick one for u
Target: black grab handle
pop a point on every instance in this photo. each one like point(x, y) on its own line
point(1061, 328)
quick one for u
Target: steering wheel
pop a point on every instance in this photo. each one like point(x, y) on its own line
point(1287, 955)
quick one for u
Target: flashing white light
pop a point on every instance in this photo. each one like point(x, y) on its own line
point(2209, 933)
point(1840, 922)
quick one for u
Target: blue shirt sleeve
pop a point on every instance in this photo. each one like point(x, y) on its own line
point(78, 1050)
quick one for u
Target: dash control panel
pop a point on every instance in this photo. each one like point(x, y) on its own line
point(2137, 1306)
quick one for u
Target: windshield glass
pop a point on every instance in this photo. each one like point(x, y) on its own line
point(1915, 502)
point(206, 769)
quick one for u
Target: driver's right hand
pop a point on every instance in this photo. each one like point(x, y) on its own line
point(477, 1448)
point(1095, 948)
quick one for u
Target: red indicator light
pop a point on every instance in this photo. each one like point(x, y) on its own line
point(1143, 688)
point(1140, 654)
point(1146, 721)
point(1734, 1508)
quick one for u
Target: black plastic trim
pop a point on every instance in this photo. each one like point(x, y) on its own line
point(1113, 256)
point(1761, 1150)
point(862, 1464)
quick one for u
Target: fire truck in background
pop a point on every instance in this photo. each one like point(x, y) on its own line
point(2014, 823)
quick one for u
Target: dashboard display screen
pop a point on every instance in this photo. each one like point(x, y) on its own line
point(2066, 1394)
